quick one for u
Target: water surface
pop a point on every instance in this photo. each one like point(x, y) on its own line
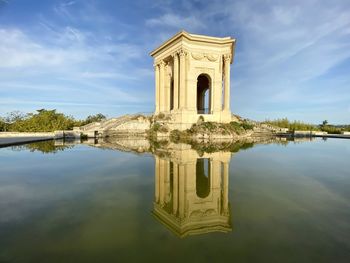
point(248, 203)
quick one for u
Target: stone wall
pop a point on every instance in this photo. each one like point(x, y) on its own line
point(26, 134)
point(134, 126)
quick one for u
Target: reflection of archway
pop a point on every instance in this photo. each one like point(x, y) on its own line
point(191, 192)
point(203, 177)
point(203, 94)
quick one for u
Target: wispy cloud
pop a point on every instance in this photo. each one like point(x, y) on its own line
point(175, 21)
point(19, 50)
point(89, 71)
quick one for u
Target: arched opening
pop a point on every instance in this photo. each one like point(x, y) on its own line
point(203, 177)
point(203, 94)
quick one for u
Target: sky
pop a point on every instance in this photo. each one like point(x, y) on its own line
point(84, 57)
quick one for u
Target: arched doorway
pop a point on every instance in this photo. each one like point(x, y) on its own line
point(203, 94)
point(203, 178)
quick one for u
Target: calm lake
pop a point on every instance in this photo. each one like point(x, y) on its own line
point(274, 202)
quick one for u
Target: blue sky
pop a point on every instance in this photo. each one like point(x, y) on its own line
point(83, 57)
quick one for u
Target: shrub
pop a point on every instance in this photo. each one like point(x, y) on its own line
point(292, 126)
point(163, 129)
point(160, 116)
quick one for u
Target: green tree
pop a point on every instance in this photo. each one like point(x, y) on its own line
point(94, 118)
point(2, 125)
point(42, 121)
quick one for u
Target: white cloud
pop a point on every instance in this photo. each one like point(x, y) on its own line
point(18, 50)
point(175, 21)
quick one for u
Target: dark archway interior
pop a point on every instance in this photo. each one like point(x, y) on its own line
point(203, 178)
point(203, 94)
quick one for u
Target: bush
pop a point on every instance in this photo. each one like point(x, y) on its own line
point(42, 121)
point(163, 129)
point(247, 126)
point(94, 118)
point(2, 125)
point(331, 129)
point(292, 126)
point(155, 127)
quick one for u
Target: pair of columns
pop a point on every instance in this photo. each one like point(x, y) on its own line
point(163, 82)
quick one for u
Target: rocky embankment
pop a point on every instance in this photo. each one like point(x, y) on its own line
point(158, 127)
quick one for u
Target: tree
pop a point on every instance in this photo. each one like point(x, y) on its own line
point(94, 118)
point(14, 116)
point(43, 121)
point(2, 125)
point(324, 123)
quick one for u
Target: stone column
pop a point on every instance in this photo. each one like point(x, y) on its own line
point(156, 69)
point(167, 87)
point(225, 186)
point(161, 86)
point(227, 64)
point(176, 81)
point(182, 87)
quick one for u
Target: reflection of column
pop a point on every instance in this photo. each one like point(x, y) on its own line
point(227, 61)
point(215, 166)
point(182, 88)
point(175, 188)
point(161, 182)
point(161, 86)
point(156, 169)
point(182, 190)
point(225, 186)
point(156, 69)
point(176, 82)
point(167, 181)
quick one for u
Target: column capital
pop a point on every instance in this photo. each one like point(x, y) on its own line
point(182, 52)
point(162, 64)
point(227, 57)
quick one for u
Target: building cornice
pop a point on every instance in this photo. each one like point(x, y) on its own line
point(195, 38)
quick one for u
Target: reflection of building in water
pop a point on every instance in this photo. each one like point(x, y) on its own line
point(191, 192)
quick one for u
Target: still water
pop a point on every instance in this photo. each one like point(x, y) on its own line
point(110, 202)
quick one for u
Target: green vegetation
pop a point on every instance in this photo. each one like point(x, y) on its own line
point(292, 126)
point(2, 124)
point(93, 118)
point(301, 126)
point(219, 128)
point(209, 128)
point(330, 128)
point(43, 121)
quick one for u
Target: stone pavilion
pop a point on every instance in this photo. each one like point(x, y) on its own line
point(192, 79)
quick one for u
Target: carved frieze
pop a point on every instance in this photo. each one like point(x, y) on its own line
point(201, 56)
